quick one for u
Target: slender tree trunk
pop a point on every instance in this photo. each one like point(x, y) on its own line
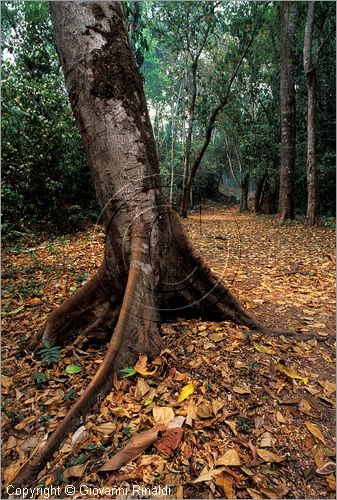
point(174, 111)
point(188, 140)
point(289, 15)
point(244, 193)
point(259, 193)
point(310, 74)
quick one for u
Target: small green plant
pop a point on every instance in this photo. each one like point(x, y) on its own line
point(127, 372)
point(127, 431)
point(208, 387)
point(243, 425)
point(50, 354)
point(40, 378)
point(70, 395)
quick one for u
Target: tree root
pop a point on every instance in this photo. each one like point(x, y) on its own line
point(100, 385)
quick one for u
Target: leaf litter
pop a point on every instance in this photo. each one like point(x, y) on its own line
point(245, 416)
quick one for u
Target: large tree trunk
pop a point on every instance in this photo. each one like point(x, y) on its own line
point(150, 271)
point(310, 74)
point(289, 14)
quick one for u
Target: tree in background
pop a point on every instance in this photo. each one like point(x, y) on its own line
point(289, 12)
point(310, 74)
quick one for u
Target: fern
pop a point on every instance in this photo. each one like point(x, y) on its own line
point(50, 354)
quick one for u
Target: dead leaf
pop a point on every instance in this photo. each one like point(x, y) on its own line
point(134, 447)
point(280, 418)
point(79, 435)
point(162, 414)
point(314, 431)
point(142, 387)
point(205, 475)
point(186, 391)
point(141, 368)
point(241, 390)
point(75, 471)
point(268, 456)
point(329, 387)
point(107, 428)
point(204, 410)
point(11, 472)
point(262, 348)
point(226, 484)
point(217, 405)
point(230, 458)
point(290, 372)
point(232, 425)
point(254, 493)
point(267, 440)
point(328, 468)
point(319, 456)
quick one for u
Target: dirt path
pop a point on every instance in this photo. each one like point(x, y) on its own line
point(250, 394)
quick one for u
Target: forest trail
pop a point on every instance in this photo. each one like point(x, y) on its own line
point(263, 407)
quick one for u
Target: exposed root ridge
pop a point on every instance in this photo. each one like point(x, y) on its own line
point(98, 388)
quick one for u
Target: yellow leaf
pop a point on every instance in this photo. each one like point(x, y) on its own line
point(241, 390)
point(186, 391)
point(262, 348)
point(290, 372)
point(314, 430)
point(229, 458)
point(268, 456)
point(163, 414)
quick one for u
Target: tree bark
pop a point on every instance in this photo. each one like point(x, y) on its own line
point(244, 193)
point(289, 14)
point(310, 74)
point(150, 271)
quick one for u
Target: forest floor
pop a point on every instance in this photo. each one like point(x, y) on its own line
point(257, 414)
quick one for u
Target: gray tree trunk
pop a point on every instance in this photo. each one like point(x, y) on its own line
point(289, 16)
point(310, 74)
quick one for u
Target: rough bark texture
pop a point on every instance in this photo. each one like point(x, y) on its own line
point(244, 193)
point(289, 15)
point(310, 74)
point(150, 271)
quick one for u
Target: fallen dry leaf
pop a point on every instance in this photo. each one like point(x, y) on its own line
point(230, 457)
point(186, 391)
point(134, 447)
point(169, 440)
point(226, 484)
point(162, 414)
point(328, 468)
point(314, 431)
point(268, 456)
point(290, 372)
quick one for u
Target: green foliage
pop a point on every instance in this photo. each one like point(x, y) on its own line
point(127, 372)
point(40, 378)
point(46, 180)
point(49, 354)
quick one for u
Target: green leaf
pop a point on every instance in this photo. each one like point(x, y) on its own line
point(71, 369)
point(127, 372)
point(13, 312)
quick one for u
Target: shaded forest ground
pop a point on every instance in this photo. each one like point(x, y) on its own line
point(250, 393)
